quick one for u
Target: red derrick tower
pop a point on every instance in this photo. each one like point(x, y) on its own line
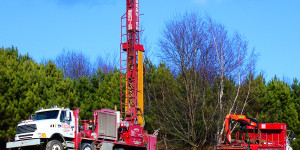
point(131, 65)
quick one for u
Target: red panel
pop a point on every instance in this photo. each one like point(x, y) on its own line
point(133, 15)
point(135, 135)
point(151, 145)
point(139, 47)
point(274, 126)
point(124, 45)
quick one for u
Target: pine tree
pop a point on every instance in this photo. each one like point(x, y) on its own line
point(257, 92)
point(296, 95)
point(278, 104)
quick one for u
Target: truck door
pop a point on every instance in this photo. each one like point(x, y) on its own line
point(67, 124)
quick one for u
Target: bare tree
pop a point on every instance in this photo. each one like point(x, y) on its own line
point(74, 64)
point(187, 50)
point(202, 54)
point(232, 61)
point(106, 64)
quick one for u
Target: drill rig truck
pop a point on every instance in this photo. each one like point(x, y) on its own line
point(58, 128)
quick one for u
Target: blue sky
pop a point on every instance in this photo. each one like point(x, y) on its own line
point(43, 28)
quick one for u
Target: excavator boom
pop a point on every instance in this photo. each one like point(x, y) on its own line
point(242, 119)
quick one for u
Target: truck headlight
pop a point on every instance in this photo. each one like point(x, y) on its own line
point(42, 134)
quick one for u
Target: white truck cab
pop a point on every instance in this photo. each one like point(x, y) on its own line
point(48, 124)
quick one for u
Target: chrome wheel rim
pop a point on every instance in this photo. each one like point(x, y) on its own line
point(87, 148)
point(56, 147)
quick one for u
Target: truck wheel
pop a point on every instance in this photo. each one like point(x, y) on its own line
point(54, 145)
point(86, 146)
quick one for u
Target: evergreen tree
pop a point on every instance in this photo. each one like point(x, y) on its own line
point(19, 78)
point(277, 104)
point(256, 93)
point(109, 89)
point(296, 95)
point(27, 86)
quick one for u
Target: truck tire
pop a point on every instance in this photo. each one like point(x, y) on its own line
point(54, 145)
point(86, 146)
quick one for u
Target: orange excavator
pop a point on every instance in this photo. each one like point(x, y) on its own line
point(242, 119)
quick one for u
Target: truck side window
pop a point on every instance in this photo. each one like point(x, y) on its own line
point(70, 117)
point(62, 116)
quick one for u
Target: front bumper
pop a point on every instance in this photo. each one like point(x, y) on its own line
point(24, 143)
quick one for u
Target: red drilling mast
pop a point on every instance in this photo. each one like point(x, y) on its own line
point(132, 61)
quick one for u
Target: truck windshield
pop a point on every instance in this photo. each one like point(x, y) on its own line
point(46, 115)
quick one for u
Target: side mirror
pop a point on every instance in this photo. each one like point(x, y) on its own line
point(31, 117)
point(68, 116)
